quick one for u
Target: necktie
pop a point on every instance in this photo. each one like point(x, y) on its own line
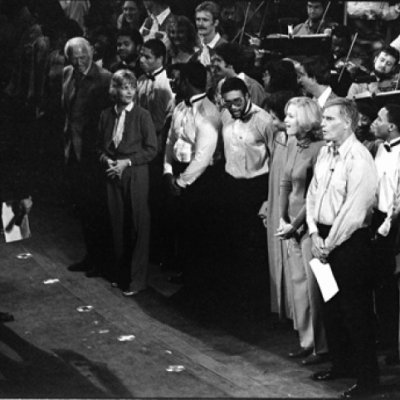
point(333, 148)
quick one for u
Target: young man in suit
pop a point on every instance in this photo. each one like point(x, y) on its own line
point(128, 145)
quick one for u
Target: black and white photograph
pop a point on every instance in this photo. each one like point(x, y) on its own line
point(200, 199)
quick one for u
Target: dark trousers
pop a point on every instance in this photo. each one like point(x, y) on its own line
point(187, 224)
point(386, 289)
point(86, 188)
point(348, 317)
point(130, 222)
point(243, 236)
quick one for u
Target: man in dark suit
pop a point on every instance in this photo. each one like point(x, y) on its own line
point(128, 145)
point(84, 96)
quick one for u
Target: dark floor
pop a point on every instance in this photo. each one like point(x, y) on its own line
point(220, 337)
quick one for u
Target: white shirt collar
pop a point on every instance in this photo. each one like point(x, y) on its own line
point(324, 96)
point(128, 108)
point(214, 42)
point(162, 16)
point(196, 96)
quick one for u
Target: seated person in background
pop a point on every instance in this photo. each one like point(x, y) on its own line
point(314, 78)
point(227, 62)
point(384, 76)
point(231, 19)
point(314, 24)
point(129, 43)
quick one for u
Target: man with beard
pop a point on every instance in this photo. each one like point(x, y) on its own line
point(247, 137)
point(129, 43)
point(313, 25)
point(384, 76)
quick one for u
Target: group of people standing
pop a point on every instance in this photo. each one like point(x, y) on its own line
point(174, 151)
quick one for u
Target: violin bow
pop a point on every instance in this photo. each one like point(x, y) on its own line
point(248, 20)
point(324, 16)
point(348, 56)
point(264, 17)
point(246, 16)
point(398, 81)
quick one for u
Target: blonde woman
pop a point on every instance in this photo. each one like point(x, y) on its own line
point(303, 119)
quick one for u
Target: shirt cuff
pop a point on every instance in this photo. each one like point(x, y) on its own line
point(180, 182)
point(312, 227)
point(168, 169)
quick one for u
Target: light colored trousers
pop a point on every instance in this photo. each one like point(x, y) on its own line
point(307, 300)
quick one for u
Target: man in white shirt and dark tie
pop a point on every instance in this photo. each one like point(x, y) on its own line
point(340, 201)
point(385, 227)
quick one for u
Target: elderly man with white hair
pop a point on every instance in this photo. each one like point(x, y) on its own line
point(84, 96)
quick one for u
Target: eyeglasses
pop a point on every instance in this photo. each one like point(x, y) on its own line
point(239, 102)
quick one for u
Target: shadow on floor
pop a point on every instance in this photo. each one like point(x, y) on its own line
point(27, 371)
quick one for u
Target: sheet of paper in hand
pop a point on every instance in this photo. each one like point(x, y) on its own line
point(326, 280)
point(15, 224)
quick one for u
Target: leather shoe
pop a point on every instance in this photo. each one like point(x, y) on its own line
point(81, 266)
point(314, 359)
point(300, 353)
point(6, 317)
point(359, 391)
point(328, 375)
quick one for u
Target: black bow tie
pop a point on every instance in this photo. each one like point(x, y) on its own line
point(152, 77)
point(388, 146)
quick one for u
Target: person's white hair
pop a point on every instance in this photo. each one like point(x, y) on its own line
point(78, 42)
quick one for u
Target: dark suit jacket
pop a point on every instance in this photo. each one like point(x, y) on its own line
point(139, 141)
point(82, 108)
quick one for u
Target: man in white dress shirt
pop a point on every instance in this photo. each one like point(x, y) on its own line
point(339, 206)
point(385, 227)
point(190, 147)
point(247, 137)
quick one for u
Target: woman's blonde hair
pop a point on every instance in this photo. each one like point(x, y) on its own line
point(309, 116)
